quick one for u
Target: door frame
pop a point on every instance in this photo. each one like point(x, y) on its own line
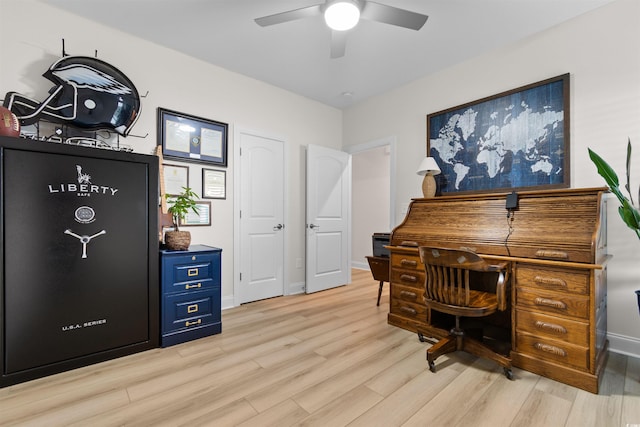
point(389, 141)
point(237, 198)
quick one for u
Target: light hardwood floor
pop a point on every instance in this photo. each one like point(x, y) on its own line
point(327, 359)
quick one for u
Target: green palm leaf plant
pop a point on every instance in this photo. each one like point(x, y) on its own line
point(627, 209)
point(181, 204)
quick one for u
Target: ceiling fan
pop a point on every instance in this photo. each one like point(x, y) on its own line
point(342, 15)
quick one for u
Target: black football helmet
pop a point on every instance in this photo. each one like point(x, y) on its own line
point(89, 94)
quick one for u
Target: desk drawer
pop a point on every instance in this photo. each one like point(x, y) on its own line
point(557, 279)
point(413, 279)
point(553, 302)
point(407, 294)
point(552, 327)
point(407, 261)
point(553, 350)
point(403, 303)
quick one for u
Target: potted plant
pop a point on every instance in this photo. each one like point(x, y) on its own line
point(628, 210)
point(179, 207)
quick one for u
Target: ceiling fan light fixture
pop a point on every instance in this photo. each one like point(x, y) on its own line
point(342, 15)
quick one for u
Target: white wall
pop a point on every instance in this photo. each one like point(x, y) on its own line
point(601, 50)
point(31, 34)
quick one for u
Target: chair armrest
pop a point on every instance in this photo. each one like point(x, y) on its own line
point(501, 292)
point(499, 266)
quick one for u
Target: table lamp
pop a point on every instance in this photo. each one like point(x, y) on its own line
point(428, 167)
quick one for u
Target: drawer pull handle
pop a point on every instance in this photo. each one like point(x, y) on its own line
point(192, 272)
point(408, 262)
point(408, 278)
point(407, 294)
point(551, 327)
point(187, 323)
point(550, 281)
point(409, 310)
point(550, 303)
point(546, 253)
point(193, 308)
point(552, 349)
point(187, 286)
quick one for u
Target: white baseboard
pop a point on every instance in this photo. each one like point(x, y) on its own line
point(227, 302)
point(296, 288)
point(293, 289)
point(360, 265)
point(622, 344)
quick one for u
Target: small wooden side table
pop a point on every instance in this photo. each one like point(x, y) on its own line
point(380, 270)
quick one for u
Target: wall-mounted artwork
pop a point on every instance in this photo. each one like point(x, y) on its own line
point(214, 184)
point(517, 139)
point(190, 138)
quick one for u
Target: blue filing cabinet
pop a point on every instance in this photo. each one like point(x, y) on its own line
point(191, 282)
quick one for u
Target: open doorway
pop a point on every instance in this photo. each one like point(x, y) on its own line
point(372, 195)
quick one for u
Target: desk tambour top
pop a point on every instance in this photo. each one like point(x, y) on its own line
point(560, 225)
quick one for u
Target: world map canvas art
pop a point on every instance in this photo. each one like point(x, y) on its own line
point(514, 140)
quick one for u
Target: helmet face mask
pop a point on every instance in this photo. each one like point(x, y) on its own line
point(89, 94)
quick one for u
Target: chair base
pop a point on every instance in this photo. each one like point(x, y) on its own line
point(458, 341)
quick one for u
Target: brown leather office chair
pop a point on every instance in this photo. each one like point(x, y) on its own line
point(448, 289)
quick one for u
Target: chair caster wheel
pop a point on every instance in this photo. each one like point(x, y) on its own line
point(421, 337)
point(432, 366)
point(508, 373)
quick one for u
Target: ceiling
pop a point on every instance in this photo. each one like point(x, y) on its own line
point(295, 55)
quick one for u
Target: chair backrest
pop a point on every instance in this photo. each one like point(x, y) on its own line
point(448, 272)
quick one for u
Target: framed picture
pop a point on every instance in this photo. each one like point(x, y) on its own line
point(517, 139)
point(203, 217)
point(175, 178)
point(214, 184)
point(190, 138)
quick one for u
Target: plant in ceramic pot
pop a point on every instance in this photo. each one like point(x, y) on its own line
point(628, 210)
point(179, 207)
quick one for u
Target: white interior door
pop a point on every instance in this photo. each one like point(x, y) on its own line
point(328, 218)
point(261, 260)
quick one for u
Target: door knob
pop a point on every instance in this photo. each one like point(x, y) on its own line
point(278, 227)
point(312, 226)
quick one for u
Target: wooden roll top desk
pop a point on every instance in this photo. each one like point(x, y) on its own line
point(556, 244)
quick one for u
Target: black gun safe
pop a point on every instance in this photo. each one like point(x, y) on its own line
point(79, 257)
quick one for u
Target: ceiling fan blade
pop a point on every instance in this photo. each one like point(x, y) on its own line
point(338, 43)
point(292, 15)
point(392, 15)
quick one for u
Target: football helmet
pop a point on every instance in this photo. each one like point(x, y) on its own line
point(89, 94)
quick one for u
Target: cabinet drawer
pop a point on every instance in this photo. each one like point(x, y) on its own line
point(558, 328)
point(190, 310)
point(196, 285)
point(191, 271)
point(553, 350)
point(414, 279)
point(557, 279)
point(191, 267)
point(407, 261)
point(553, 302)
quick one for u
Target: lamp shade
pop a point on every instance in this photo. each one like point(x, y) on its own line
point(428, 166)
point(342, 15)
